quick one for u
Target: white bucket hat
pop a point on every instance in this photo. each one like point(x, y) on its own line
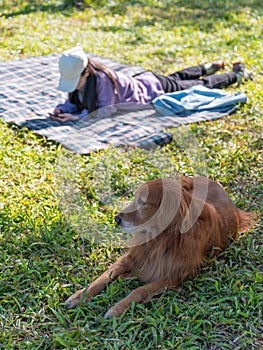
point(71, 64)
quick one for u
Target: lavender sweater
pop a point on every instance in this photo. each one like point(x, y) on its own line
point(138, 90)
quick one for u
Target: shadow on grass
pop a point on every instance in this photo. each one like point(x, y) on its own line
point(172, 10)
point(14, 8)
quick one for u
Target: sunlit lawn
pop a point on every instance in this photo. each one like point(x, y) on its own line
point(43, 258)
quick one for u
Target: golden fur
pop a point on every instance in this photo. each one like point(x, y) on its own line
point(175, 224)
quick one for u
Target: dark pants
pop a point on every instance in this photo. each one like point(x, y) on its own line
point(191, 76)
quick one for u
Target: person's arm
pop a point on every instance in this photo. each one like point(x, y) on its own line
point(67, 112)
point(66, 107)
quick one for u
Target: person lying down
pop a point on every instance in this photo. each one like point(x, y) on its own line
point(94, 89)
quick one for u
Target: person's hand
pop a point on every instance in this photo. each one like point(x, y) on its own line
point(57, 111)
point(64, 117)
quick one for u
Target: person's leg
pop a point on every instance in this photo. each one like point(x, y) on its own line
point(192, 73)
point(219, 81)
point(171, 83)
point(189, 77)
point(239, 74)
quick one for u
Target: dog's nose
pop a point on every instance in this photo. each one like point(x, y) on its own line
point(118, 219)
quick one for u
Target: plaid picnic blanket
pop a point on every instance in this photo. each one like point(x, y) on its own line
point(28, 91)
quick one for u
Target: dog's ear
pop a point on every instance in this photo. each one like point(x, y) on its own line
point(182, 202)
point(167, 196)
point(194, 214)
point(170, 201)
point(194, 232)
point(192, 205)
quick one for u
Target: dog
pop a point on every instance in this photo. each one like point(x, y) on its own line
point(176, 224)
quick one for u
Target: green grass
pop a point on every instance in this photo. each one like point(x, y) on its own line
point(45, 255)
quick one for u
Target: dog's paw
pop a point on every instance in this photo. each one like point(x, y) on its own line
point(74, 300)
point(111, 313)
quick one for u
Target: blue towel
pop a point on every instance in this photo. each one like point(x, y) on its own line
point(198, 99)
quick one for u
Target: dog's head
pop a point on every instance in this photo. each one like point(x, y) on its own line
point(161, 204)
point(156, 206)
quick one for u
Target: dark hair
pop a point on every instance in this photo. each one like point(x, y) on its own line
point(94, 66)
point(90, 97)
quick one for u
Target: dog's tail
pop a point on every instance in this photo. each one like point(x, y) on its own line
point(246, 220)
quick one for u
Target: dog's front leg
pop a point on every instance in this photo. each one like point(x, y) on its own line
point(139, 295)
point(122, 266)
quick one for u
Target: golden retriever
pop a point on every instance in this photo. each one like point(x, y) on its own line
point(175, 225)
